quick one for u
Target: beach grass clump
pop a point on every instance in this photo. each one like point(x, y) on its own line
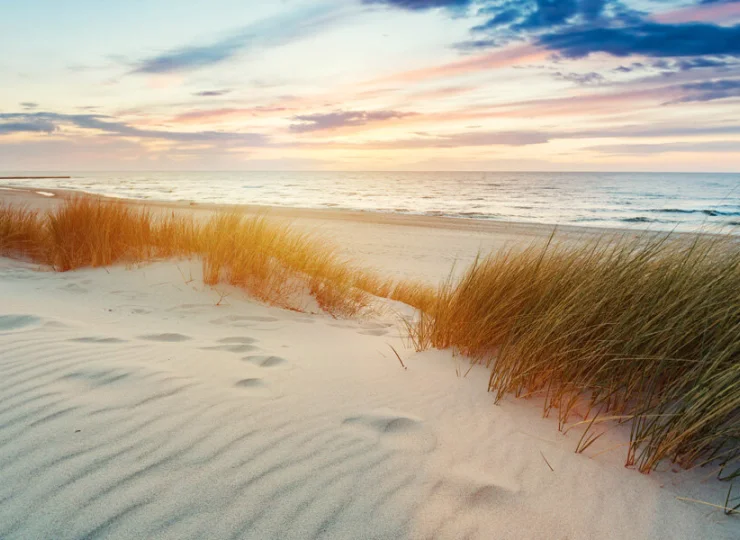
point(21, 232)
point(269, 260)
point(85, 232)
point(418, 294)
point(642, 331)
point(277, 264)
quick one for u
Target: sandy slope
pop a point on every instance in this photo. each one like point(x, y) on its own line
point(133, 406)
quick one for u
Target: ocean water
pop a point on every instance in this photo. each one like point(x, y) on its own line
point(659, 201)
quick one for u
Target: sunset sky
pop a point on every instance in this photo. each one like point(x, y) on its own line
point(363, 85)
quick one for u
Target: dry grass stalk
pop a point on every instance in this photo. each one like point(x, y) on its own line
point(268, 260)
point(646, 329)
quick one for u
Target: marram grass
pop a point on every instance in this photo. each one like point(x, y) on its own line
point(642, 331)
point(271, 261)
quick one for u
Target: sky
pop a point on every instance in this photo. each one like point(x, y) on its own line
point(510, 85)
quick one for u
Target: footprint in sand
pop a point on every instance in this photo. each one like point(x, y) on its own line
point(243, 320)
point(190, 307)
point(266, 361)
point(235, 345)
point(472, 491)
point(253, 386)
point(73, 288)
point(374, 332)
point(398, 431)
point(9, 323)
point(97, 339)
point(168, 337)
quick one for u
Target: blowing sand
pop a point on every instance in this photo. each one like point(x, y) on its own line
point(139, 403)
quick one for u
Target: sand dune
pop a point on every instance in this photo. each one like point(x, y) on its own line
point(132, 406)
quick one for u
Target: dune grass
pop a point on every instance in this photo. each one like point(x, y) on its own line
point(643, 331)
point(20, 232)
point(277, 265)
point(269, 260)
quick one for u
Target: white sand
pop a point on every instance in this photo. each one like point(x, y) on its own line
point(133, 406)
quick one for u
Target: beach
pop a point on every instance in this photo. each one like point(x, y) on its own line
point(396, 245)
point(138, 402)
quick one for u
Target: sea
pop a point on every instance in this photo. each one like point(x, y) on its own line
point(657, 201)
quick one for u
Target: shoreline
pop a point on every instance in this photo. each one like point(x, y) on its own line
point(426, 248)
point(345, 214)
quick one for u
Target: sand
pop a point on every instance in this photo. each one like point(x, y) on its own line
point(138, 403)
point(404, 246)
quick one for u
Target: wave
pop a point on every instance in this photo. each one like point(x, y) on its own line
point(707, 211)
point(641, 219)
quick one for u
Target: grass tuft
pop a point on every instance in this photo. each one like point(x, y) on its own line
point(270, 261)
point(645, 330)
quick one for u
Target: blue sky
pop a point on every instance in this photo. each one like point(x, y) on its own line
point(370, 84)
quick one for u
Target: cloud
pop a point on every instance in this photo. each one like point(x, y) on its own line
point(583, 79)
point(651, 149)
point(485, 138)
point(707, 11)
point(507, 57)
point(711, 90)
point(532, 15)
point(212, 93)
point(29, 126)
point(420, 5)
point(338, 119)
point(475, 44)
point(29, 105)
point(457, 140)
point(270, 32)
point(659, 131)
point(48, 122)
point(225, 114)
point(501, 18)
point(648, 39)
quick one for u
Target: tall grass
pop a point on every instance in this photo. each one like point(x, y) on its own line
point(269, 260)
point(643, 331)
point(276, 264)
point(21, 232)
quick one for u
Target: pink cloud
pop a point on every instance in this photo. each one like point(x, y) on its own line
point(718, 13)
point(493, 60)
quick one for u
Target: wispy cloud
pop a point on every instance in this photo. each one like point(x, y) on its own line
point(583, 79)
point(32, 125)
point(208, 116)
point(650, 149)
point(29, 105)
point(212, 93)
point(711, 90)
point(648, 39)
point(706, 11)
point(271, 32)
point(51, 122)
point(420, 5)
point(465, 139)
point(507, 57)
point(339, 119)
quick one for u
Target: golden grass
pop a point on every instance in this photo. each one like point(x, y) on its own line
point(20, 232)
point(268, 260)
point(276, 264)
point(644, 331)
